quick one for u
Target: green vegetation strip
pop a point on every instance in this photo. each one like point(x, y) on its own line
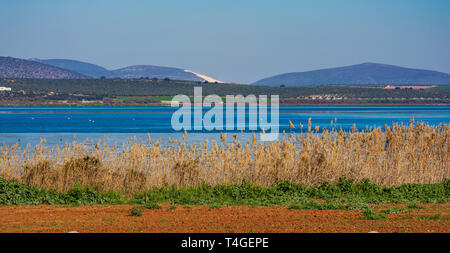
point(340, 195)
point(93, 89)
point(160, 98)
point(14, 193)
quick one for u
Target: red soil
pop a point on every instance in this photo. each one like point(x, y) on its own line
point(231, 219)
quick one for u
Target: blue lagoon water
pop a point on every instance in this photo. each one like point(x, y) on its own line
point(28, 124)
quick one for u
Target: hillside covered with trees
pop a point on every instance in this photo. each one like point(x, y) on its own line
point(146, 91)
point(18, 68)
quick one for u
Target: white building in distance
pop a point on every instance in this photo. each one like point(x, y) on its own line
point(5, 89)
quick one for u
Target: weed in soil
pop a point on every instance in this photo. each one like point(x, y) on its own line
point(372, 215)
point(151, 205)
point(414, 206)
point(136, 211)
point(435, 217)
point(393, 211)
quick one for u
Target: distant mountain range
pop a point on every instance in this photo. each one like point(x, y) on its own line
point(66, 69)
point(365, 73)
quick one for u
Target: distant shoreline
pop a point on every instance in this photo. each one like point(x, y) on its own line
point(151, 105)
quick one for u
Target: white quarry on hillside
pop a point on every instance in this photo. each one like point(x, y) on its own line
point(206, 78)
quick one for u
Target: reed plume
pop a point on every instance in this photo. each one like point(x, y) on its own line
point(399, 154)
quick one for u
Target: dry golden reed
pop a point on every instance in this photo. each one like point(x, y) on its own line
point(414, 153)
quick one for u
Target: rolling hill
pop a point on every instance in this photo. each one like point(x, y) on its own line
point(136, 71)
point(365, 73)
point(84, 68)
point(18, 68)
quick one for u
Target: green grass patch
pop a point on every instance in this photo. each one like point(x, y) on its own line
point(286, 193)
point(169, 98)
point(14, 193)
point(414, 206)
point(132, 97)
point(151, 205)
point(295, 207)
point(372, 215)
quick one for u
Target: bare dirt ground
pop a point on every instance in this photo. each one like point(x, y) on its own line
point(229, 219)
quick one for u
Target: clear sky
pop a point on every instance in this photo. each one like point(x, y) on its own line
point(231, 40)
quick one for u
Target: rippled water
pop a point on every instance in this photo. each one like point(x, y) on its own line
point(26, 124)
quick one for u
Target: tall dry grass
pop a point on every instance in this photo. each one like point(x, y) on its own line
point(415, 153)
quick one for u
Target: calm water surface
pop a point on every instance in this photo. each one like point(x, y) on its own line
point(24, 124)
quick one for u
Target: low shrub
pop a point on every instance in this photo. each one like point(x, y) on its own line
point(136, 211)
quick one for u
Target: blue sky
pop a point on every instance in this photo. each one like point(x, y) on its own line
point(240, 41)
